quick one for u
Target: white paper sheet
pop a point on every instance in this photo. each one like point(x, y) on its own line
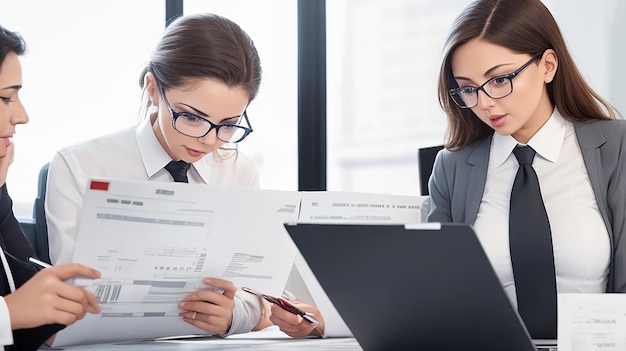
point(592, 322)
point(363, 208)
point(154, 242)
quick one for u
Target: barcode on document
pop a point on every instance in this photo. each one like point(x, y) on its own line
point(107, 293)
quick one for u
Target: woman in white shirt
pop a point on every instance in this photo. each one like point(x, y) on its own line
point(201, 78)
point(508, 80)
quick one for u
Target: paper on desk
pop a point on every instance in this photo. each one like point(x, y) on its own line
point(592, 322)
point(154, 242)
point(362, 208)
point(350, 208)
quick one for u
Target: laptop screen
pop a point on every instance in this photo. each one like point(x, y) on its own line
point(428, 285)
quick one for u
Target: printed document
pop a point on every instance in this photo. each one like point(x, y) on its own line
point(592, 322)
point(362, 208)
point(154, 242)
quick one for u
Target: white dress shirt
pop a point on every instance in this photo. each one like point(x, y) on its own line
point(6, 333)
point(580, 239)
point(134, 154)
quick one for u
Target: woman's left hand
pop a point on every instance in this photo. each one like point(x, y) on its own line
point(294, 325)
point(209, 309)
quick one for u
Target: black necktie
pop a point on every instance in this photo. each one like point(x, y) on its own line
point(178, 170)
point(532, 256)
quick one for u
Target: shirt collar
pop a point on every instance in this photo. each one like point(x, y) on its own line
point(546, 142)
point(155, 158)
point(152, 154)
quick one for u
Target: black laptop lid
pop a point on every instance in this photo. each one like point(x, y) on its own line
point(426, 289)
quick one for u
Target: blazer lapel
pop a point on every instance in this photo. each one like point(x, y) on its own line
point(590, 140)
point(478, 160)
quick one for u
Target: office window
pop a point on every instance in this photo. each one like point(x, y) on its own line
point(81, 74)
point(82, 69)
point(383, 62)
point(85, 56)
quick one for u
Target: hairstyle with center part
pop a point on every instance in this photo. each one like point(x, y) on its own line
point(204, 46)
point(526, 27)
point(10, 42)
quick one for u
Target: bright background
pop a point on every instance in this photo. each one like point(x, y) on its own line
point(84, 59)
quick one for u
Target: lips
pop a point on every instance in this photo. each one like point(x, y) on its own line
point(497, 120)
point(194, 153)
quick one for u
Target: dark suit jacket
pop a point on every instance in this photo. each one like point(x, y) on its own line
point(17, 250)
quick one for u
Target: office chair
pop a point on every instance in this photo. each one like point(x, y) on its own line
point(29, 228)
point(39, 214)
point(35, 229)
point(425, 160)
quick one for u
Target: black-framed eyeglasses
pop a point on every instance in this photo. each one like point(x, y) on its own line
point(195, 126)
point(496, 87)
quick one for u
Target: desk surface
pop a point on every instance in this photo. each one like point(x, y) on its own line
point(226, 344)
point(270, 338)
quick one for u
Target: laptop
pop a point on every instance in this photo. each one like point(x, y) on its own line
point(429, 286)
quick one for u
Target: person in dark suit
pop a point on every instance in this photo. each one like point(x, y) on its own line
point(33, 305)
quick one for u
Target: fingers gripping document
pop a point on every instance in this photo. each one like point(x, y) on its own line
point(154, 242)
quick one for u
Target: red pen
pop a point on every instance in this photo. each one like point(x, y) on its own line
point(284, 304)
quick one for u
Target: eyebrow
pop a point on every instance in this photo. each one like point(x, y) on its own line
point(200, 113)
point(487, 73)
point(14, 87)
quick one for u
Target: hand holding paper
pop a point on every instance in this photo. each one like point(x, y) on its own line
point(46, 299)
point(210, 309)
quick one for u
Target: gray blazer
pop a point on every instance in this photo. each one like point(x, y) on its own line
point(457, 184)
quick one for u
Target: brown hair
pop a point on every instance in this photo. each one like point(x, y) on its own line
point(10, 42)
point(205, 46)
point(523, 26)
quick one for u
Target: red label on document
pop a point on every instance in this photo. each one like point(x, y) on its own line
point(96, 185)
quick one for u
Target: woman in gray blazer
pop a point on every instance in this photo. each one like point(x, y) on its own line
point(506, 69)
